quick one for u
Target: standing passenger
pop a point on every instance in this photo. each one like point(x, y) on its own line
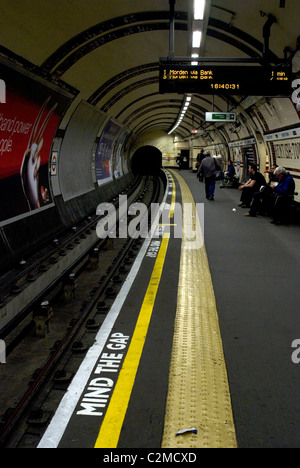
point(179, 161)
point(200, 158)
point(207, 169)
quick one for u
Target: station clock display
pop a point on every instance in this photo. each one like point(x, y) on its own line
point(247, 80)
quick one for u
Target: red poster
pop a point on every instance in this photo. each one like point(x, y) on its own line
point(28, 122)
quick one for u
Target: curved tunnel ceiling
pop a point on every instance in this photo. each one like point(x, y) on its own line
point(109, 51)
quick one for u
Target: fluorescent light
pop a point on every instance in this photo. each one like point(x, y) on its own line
point(197, 39)
point(199, 7)
point(194, 56)
point(187, 101)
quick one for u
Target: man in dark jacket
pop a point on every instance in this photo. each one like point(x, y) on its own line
point(284, 195)
point(207, 169)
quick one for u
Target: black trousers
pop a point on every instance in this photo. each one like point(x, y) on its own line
point(246, 197)
point(282, 208)
point(210, 184)
point(263, 202)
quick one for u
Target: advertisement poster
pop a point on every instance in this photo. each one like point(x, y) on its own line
point(119, 156)
point(249, 154)
point(104, 152)
point(28, 122)
point(243, 153)
point(237, 160)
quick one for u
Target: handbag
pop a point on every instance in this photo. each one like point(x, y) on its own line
point(218, 174)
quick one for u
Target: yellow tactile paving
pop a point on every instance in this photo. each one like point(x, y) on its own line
point(198, 394)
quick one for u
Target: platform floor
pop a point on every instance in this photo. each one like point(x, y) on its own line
point(198, 337)
point(255, 268)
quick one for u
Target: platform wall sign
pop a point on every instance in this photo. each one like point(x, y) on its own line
point(220, 116)
point(225, 79)
point(53, 164)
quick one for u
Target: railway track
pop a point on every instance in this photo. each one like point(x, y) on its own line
point(29, 270)
point(40, 368)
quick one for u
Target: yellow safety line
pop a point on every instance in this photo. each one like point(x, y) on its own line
point(112, 424)
point(198, 393)
point(171, 215)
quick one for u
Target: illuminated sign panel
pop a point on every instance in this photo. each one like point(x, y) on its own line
point(228, 80)
point(220, 116)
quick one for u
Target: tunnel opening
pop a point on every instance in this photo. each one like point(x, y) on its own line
point(147, 160)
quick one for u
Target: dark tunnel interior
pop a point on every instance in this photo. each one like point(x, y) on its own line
point(147, 160)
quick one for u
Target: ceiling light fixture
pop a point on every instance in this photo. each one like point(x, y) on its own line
point(199, 27)
point(184, 108)
point(197, 39)
point(194, 56)
point(199, 7)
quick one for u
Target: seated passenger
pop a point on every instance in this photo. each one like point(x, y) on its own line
point(284, 195)
point(272, 176)
point(252, 186)
point(228, 176)
point(263, 201)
